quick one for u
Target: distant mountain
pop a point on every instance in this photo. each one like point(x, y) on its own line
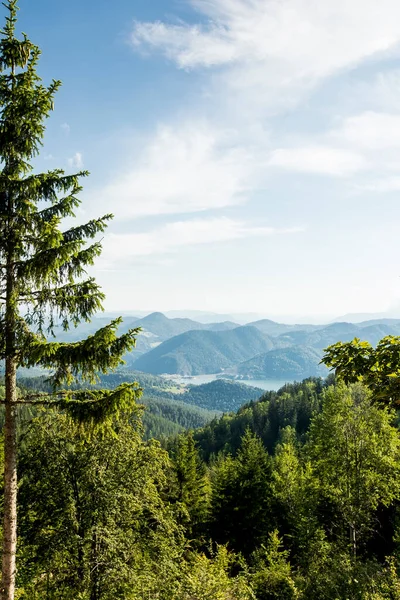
point(199, 352)
point(164, 328)
point(223, 326)
point(204, 316)
point(200, 316)
point(294, 363)
point(362, 317)
point(393, 323)
point(156, 328)
point(335, 332)
point(275, 329)
point(188, 347)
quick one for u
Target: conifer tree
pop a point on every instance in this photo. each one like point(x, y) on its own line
point(189, 484)
point(43, 280)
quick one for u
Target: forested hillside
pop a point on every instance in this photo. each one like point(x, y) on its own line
point(295, 363)
point(264, 498)
point(220, 395)
point(261, 350)
point(198, 352)
point(170, 408)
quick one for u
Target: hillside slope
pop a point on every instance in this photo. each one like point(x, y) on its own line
point(220, 395)
point(296, 362)
point(198, 352)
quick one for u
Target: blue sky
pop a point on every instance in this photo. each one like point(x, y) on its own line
point(249, 149)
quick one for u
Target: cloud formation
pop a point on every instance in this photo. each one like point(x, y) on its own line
point(290, 39)
point(189, 168)
point(176, 235)
point(76, 161)
point(323, 160)
point(265, 56)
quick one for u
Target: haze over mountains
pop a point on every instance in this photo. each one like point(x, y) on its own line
point(262, 349)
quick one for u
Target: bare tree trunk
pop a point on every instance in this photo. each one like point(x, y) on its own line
point(353, 541)
point(10, 483)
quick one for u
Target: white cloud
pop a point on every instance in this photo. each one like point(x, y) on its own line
point(66, 128)
point(264, 56)
point(318, 159)
point(185, 169)
point(174, 236)
point(370, 131)
point(76, 161)
point(291, 39)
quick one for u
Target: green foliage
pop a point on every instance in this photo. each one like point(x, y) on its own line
point(164, 415)
point(293, 405)
point(220, 395)
point(184, 415)
point(294, 492)
point(157, 426)
point(208, 579)
point(333, 574)
point(189, 489)
point(241, 497)
point(378, 368)
point(93, 519)
point(112, 516)
point(354, 450)
point(272, 577)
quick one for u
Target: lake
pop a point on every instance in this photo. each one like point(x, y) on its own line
point(264, 384)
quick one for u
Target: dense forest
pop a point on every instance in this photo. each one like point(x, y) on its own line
point(294, 496)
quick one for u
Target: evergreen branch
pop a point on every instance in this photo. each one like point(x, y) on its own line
point(72, 302)
point(41, 266)
point(47, 186)
point(63, 208)
point(41, 186)
point(96, 408)
point(92, 408)
point(99, 352)
point(55, 265)
point(88, 230)
point(57, 295)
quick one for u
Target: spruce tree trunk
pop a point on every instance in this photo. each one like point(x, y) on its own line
point(10, 483)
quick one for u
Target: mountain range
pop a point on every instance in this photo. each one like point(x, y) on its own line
point(262, 349)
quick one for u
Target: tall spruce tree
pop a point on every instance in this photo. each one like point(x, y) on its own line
point(42, 272)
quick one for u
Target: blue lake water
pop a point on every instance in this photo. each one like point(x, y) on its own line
point(264, 384)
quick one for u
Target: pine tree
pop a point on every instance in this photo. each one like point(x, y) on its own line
point(241, 500)
point(43, 280)
point(189, 484)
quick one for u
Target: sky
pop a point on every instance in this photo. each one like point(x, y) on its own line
point(249, 149)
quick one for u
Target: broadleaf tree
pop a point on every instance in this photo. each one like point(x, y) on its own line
point(43, 280)
point(377, 368)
